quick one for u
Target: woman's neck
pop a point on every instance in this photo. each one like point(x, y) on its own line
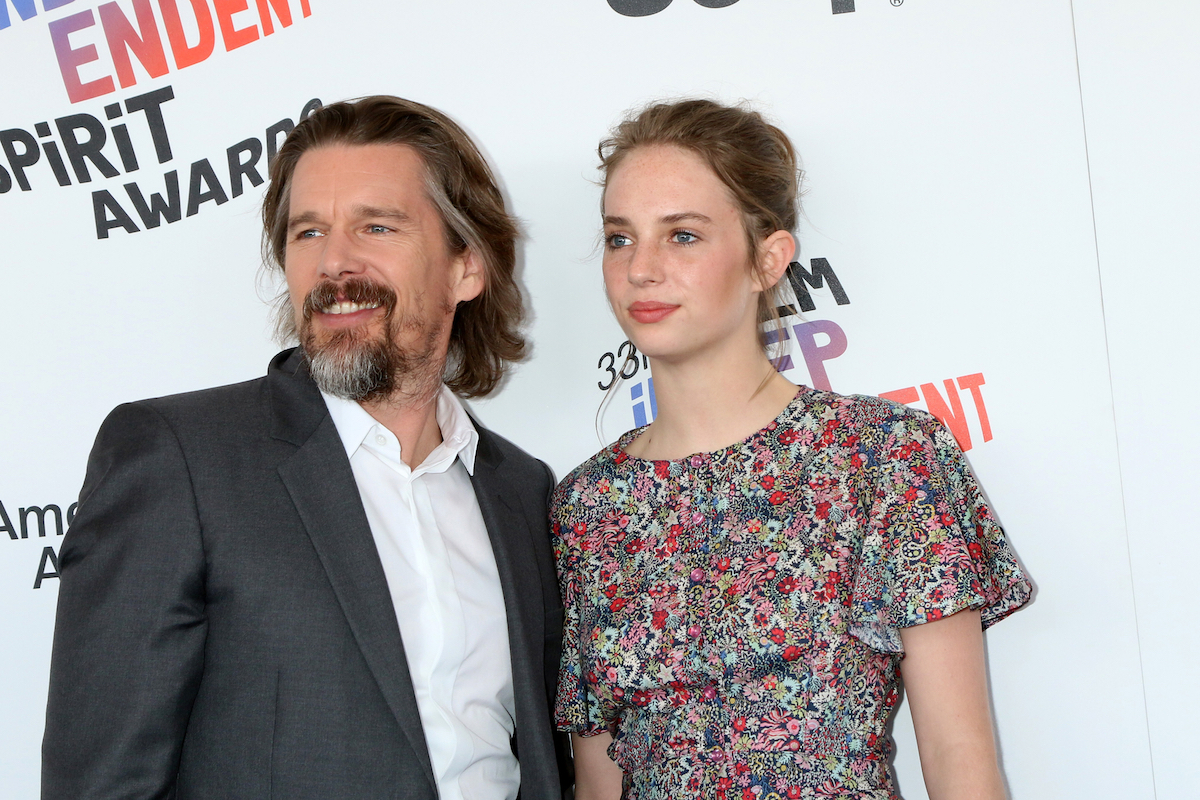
point(710, 402)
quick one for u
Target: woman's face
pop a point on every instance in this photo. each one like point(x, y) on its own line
point(676, 267)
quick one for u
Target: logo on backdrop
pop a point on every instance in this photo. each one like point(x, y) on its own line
point(81, 37)
point(645, 8)
point(88, 143)
point(41, 525)
point(627, 364)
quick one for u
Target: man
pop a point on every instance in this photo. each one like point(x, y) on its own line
point(328, 582)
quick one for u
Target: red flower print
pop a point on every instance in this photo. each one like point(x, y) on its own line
point(723, 564)
point(640, 698)
point(739, 724)
point(768, 482)
point(658, 620)
point(777, 635)
point(975, 550)
point(618, 604)
point(787, 585)
point(777, 497)
point(662, 469)
point(791, 653)
point(911, 494)
point(610, 591)
point(789, 436)
point(823, 509)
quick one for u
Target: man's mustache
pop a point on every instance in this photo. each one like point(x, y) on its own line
point(361, 291)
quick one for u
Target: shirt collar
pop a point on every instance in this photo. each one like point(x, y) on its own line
point(354, 424)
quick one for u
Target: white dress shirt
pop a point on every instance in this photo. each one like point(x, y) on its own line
point(442, 576)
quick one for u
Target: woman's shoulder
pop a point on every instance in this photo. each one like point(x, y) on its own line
point(860, 411)
point(590, 480)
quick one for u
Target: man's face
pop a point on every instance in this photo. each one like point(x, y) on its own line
point(371, 278)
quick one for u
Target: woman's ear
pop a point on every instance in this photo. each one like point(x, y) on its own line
point(775, 253)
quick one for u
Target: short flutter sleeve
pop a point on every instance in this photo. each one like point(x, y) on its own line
point(576, 707)
point(933, 547)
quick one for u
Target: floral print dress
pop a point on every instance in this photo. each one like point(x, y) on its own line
point(733, 618)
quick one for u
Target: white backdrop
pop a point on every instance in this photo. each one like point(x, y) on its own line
point(1004, 191)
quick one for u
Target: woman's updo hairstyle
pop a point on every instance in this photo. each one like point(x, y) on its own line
point(753, 158)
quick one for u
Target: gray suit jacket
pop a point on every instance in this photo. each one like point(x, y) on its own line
point(224, 626)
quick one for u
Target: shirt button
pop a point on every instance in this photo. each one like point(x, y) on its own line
point(380, 439)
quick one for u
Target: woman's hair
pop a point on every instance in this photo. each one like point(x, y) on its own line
point(753, 158)
point(485, 335)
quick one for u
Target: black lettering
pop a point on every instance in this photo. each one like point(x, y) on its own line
point(125, 148)
point(158, 209)
point(203, 175)
point(239, 168)
point(151, 104)
point(843, 6)
point(638, 8)
point(48, 556)
point(104, 204)
point(19, 161)
point(5, 180)
point(283, 127)
point(7, 523)
point(821, 272)
point(50, 148)
point(79, 153)
point(41, 520)
point(716, 3)
point(309, 108)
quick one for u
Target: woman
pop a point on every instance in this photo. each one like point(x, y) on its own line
point(743, 576)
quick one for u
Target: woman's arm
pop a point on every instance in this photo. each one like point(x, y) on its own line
point(945, 678)
point(596, 776)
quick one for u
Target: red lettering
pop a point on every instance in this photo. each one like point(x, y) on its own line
point(281, 11)
point(955, 420)
point(234, 37)
point(123, 40)
point(972, 384)
point(71, 59)
point(304, 8)
point(905, 396)
point(187, 56)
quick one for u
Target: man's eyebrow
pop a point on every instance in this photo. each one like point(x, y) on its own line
point(361, 212)
point(302, 219)
point(380, 212)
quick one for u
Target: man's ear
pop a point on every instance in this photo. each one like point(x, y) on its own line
point(775, 253)
point(469, 276)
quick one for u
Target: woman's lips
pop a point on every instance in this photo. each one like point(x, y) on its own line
point(645, 312)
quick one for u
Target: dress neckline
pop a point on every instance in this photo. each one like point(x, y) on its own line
point(618, 449)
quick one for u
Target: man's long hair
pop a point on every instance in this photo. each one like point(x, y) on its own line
point(485, 336)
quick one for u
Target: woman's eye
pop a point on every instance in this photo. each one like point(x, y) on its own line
point(614, 240)
point(684, 237)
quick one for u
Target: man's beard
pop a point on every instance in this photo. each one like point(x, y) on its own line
point(355, 364)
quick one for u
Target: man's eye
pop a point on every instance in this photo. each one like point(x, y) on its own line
point(308, 234)
point(378, 228)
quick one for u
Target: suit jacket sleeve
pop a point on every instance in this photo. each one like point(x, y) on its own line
point(130, 632)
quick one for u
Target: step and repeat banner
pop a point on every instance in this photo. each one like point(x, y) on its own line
point(963, 251)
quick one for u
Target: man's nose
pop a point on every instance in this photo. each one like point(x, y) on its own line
point(340, 257)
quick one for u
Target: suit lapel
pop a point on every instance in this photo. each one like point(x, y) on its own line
point(520, 578)
point(321, 484)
